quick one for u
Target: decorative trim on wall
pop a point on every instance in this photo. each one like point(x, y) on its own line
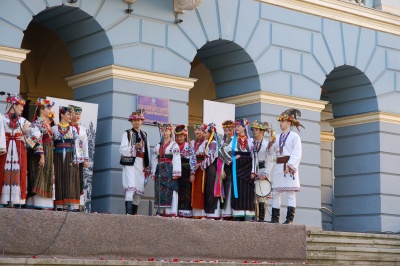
point(181, 5)
point(345, 12)
point(277, 99)
point(131, 74)
point(327, 136)
point(365, 119)
point(13, 54)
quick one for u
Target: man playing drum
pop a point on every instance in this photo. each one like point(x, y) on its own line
point(263, 164)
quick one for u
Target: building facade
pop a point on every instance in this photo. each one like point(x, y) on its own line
point(336, 61)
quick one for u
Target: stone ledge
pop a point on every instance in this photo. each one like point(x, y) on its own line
point(91, 236)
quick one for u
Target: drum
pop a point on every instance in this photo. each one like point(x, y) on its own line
point(262, 188)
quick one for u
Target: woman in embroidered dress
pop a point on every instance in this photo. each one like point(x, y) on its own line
point(41, 161)
point(188, 163)
point(166, 169)
point(197, 194)
point(14, 163)
point(238, 152)
point(81, 147)
point(263, 163)
point(226, 209)
point(66, 172)
point(285, 176)
point(212, 184)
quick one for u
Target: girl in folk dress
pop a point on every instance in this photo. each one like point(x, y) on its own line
point(226, 209)
point(13, 163)
point(67, 182)
point(212, 183)
point(238, 152)
point(197, 194)
point(166, 169)
point(41, 170)
point(188, 162)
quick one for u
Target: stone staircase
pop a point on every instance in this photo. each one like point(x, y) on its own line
point(327, 247)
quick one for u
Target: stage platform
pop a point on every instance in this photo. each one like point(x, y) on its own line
point(67, 235)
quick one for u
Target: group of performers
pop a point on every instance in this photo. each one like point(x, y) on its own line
point(214, 176)
point(41, 164)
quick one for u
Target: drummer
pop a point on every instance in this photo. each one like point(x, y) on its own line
point(263, 165)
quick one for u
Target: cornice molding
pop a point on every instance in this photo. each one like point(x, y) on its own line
point(327, 136)
point(14, 55)
point(277, 99)
point(365, 119)
point(131, 74)
point(345, 12)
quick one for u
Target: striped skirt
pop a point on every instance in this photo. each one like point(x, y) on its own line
point(245, 184)
point(67, 181)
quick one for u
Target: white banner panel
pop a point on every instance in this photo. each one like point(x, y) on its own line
point(218, 112)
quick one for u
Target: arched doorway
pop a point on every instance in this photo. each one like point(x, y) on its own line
point(348, 177)
point(223, 69)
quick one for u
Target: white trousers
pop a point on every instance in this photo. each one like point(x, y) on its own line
point(276, 199)
point(132, 196)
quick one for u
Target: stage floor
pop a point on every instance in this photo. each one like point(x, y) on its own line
point(67, 235)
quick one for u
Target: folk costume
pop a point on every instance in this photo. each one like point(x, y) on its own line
point(288, 153)
point(41, 178)
point(13, 164)
point(263, 162)
point(166, 164)
point(197, 199)
point(226, 171)
point(188, 163)
point(212, 183)
point(81, 149)
point(133, 176)
point(66, 169)
point(242, 200)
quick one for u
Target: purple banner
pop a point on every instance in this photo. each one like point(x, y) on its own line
point(155, 109)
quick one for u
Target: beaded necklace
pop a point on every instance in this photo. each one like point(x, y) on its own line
point(63, 129)
point(242, 140)
point(282, 141)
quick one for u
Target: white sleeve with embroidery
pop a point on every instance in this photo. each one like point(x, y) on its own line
point(176, 160)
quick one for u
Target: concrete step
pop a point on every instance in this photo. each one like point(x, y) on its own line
point(319, 259)
point(359, 242)
point(346, 248)
point(354, 251)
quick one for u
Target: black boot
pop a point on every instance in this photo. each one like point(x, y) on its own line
point(134, 208)
point(261, 211)
point(276, 213)
point(128, 207)
point(290, 215)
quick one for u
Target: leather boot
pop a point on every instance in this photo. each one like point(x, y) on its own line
point(276, 213)
point(261, 211)
point(290, 215)
point(128, 207)
point(134, 208)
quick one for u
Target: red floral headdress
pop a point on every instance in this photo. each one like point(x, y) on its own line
point(181, 129)
point(138, 115)
point(228, 124)
point(15, 99)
